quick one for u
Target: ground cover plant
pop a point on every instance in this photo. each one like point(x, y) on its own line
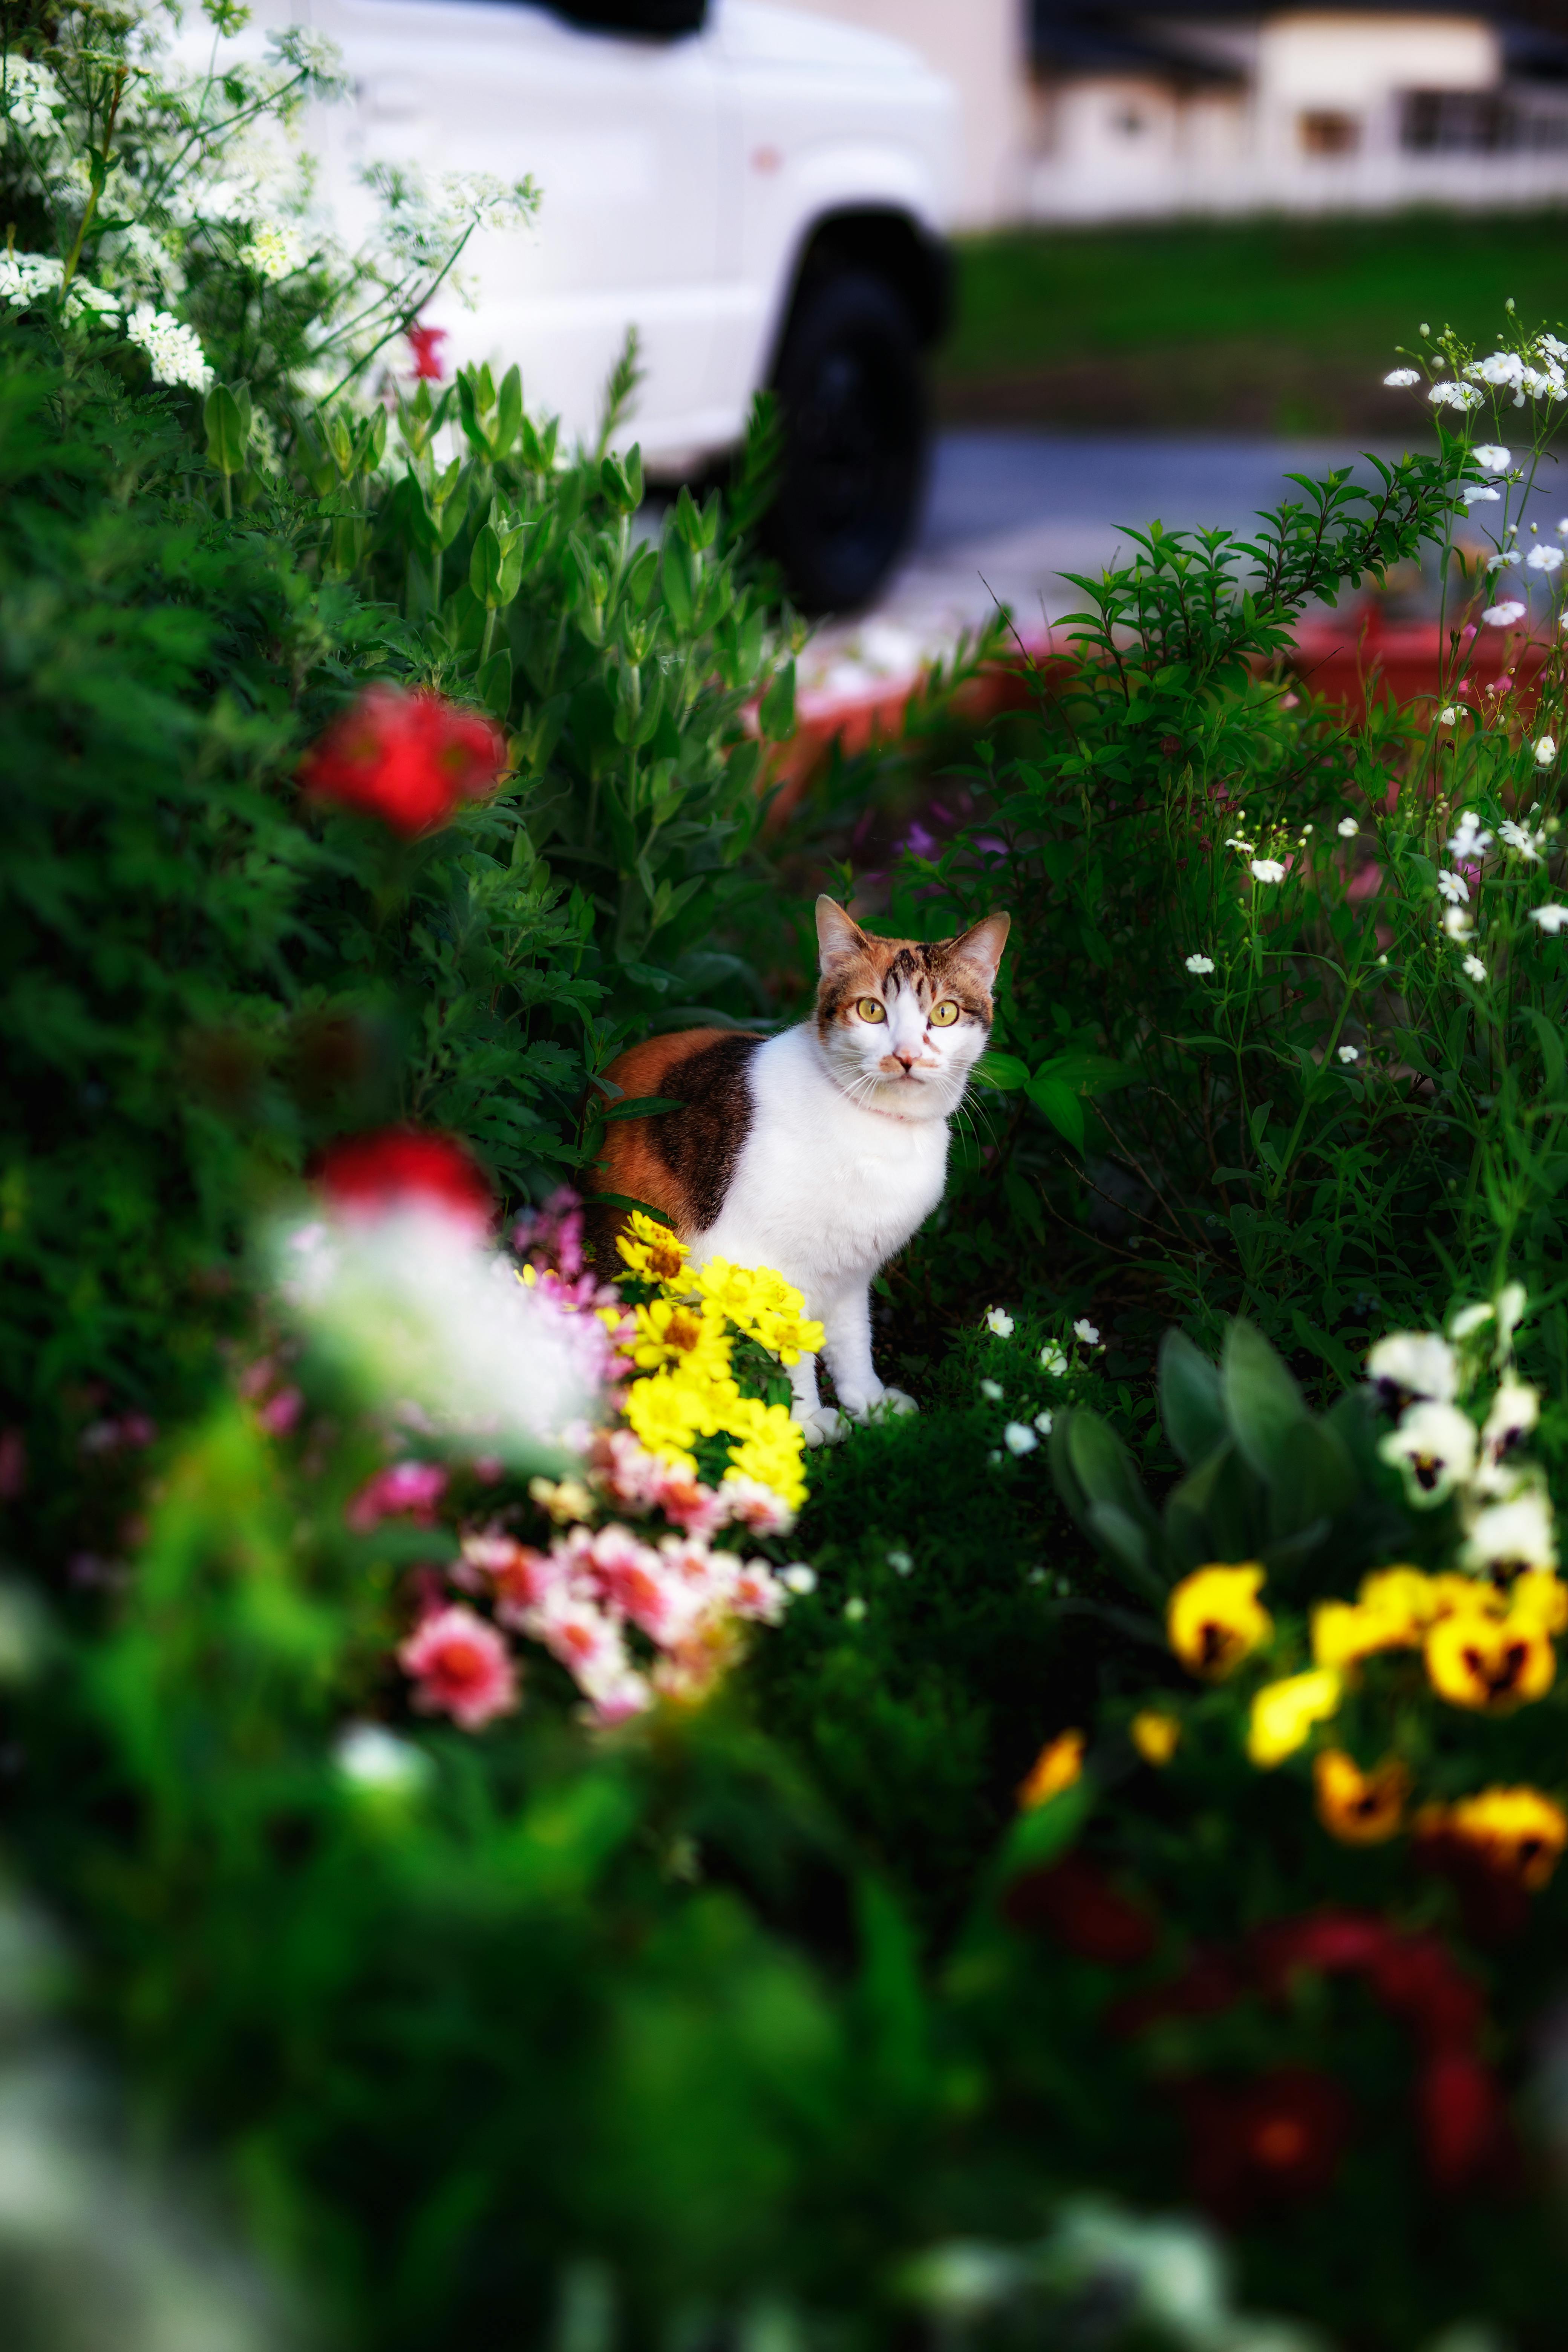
point(536, 1860)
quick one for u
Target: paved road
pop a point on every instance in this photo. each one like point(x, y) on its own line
point(1009, 512)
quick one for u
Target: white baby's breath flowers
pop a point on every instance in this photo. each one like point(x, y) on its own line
point(1434, 1450)
point(1456, 395)
point(1267, 869)
point(1401, 379)
point(175, 351)
point(997, 1319)
point(1521, 841)
point(1551, 918)
point(1504, 555)
point(1457, 923)
point(1453, 887)
point(1199, 964)
point(1347, 828)
point(276, 251)
point(1019, 1438)
point(1416, 1364)
point(1348, 1054)
point(1544, 558)
point(1448, 716)
point(1473, 968)
point(1053, 1360)
point(1503, 616)
point(30, 96)
point(1468, 840)
point(1491, 458)
point(313, 55)
point(1086, 1331)
point(1545, 752)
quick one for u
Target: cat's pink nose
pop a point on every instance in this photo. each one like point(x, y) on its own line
point(902, 1054)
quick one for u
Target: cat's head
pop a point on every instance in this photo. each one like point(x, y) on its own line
point(901, 1023)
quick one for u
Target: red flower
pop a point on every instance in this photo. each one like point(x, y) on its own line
point(395, 1168)
point(1416, 1980)
point(1073, 1902)
point(1461, 2118)
point(425, 343)
point(408, 759)
point(461, 1668)
point(1333, 1942)
point(1273, 2140)
point(410, 1489)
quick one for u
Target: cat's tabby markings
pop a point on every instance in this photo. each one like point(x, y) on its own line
point(819, 1151)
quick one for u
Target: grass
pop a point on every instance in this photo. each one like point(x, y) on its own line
point(1274, 325)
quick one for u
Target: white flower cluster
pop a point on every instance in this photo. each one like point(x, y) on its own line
point(174, 350)
point(29, 95)
point(276, 251)
point(1441, 1453)
point(27, 279)
point(1537, 373)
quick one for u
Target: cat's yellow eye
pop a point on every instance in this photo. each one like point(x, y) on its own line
point(944, 1015)
point(872, 1008)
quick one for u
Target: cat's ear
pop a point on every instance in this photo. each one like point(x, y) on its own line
point(839, 934)
point(981, 947)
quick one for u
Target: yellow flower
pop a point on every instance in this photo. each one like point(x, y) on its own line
point(737, 1291)
point(668, 1332)
point(1059, 1764)
point(1539, 1598)
point(1283, 1714)
point(1491, 1663)
point(1215, 1619)
point(567, 1502)
point(1454, 1595)
point(1359, 1807)
point(1522, 1833)
point(1400, 1593)
point(1155, 1737)
point(1346, 1631)
point(650, 1248)
point(790, 1333)
point(666, 1414)
point(760, 1302)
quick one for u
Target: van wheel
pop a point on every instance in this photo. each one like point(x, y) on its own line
point(848, 381)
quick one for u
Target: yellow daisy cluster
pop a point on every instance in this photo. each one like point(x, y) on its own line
point(682, 1345)
point(1484, 1646)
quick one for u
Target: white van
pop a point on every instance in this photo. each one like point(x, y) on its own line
point(760, 192)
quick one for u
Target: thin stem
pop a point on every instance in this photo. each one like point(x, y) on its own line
point(87, 219)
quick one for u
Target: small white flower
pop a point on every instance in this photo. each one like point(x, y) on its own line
point(1545, 752)
point(1456, 924)
point(1455, 889)
point(1465, 1321)
point(992, 1391)
point(1350, 1053)
point(1417, 1363)
point(798, 1576)
point(1448, 717)
point(1479, 494)
point(276, 251)
point(1512, 1301)
point(1044, 1422)
point(1504, 616)
point(997, 1319)
point(1521, 841)
point(1267, 869)
point(854, 1610)
point(1515, 1410)
point(1468, 840)
point(1401, 379)
point(1490, 459)
point(1347, 828)
point(1504, 555)
point(1238, 841)
point(1019, 1438)
point(1544, 558)
point(899, 1560)
point(1051, 1357)
point(1512, 1537)
point(1085, 1330)
point(1562, 528)
point(1199, 964)
point(1456, 395)
point(175, 351)
point(374, 1758)
point(1551, 918)
point(1473, 968)
point(1434, 1450)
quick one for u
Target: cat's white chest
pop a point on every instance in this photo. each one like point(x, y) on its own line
point(823, 1190)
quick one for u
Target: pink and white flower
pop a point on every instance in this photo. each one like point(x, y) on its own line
point(459, 1666)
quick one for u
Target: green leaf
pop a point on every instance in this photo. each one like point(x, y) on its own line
point(644, 1106)
point(776, 715)
point(1061, 1106)
point(1004, 1071)
point(1263, 1404)
point(494, 683)
point(226, 412)
point(1191, 1405)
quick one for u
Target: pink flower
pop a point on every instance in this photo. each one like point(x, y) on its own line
point(632, 1477)
point(581, 1635)
point(637, 1581)
point(749, 1504)
point(280, 1414)
point(519, 1576)
point(688, 1503)
point(460, 1667)
point(621, 1695)
point(408, 1489)
point(758, 1595)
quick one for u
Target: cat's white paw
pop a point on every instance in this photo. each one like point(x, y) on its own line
point(822, 1426)
point(884, 1404)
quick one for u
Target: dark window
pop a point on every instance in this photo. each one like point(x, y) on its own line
point(1456, 122)
point(663, 19)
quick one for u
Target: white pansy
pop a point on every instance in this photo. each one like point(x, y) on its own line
point(798, 1578)
point(1456, 395)
point(997, 1319)
point(175, 351)
point(1512, 1536)
point(276, 251)
point(1417, 1363)
point(1515, 1410)
point(1479, 494)
point(1465, 1321)
point(1347, 828)
point(1551, 918)
point(1473, 968)
point(1545, 752)
point(1490, 459)
point(1052, 1360)
point(993, 1391)
point(1267, 869)
point(1504, 616)
point(1401, 379)
point(1512, 1301)
point(1044, 1422)
point(1199, 964)
point(1453, 887)
point(1434, 1450)
point(376, 1760)
point(1348, 1054)
point(1544, 558)
point(1085, 1330)
point(1019, 1438)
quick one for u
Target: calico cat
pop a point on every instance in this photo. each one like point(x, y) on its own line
point(820, 1151)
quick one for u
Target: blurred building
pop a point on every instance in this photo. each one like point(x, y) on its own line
point(1107, 110)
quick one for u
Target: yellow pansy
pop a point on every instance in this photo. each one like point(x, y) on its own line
point(1056, 1766)
point(1491, 1663)
point(652, 1249)
point(1400, 1593)
point(1155, 1737)
point(1539, 1598)
point(1214, 1619)
point(1522, 1833)
point(1346, 1631)
point(1283, 1714)
point(1359, 1807)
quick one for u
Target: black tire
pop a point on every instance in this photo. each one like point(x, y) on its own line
point(849, 385)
